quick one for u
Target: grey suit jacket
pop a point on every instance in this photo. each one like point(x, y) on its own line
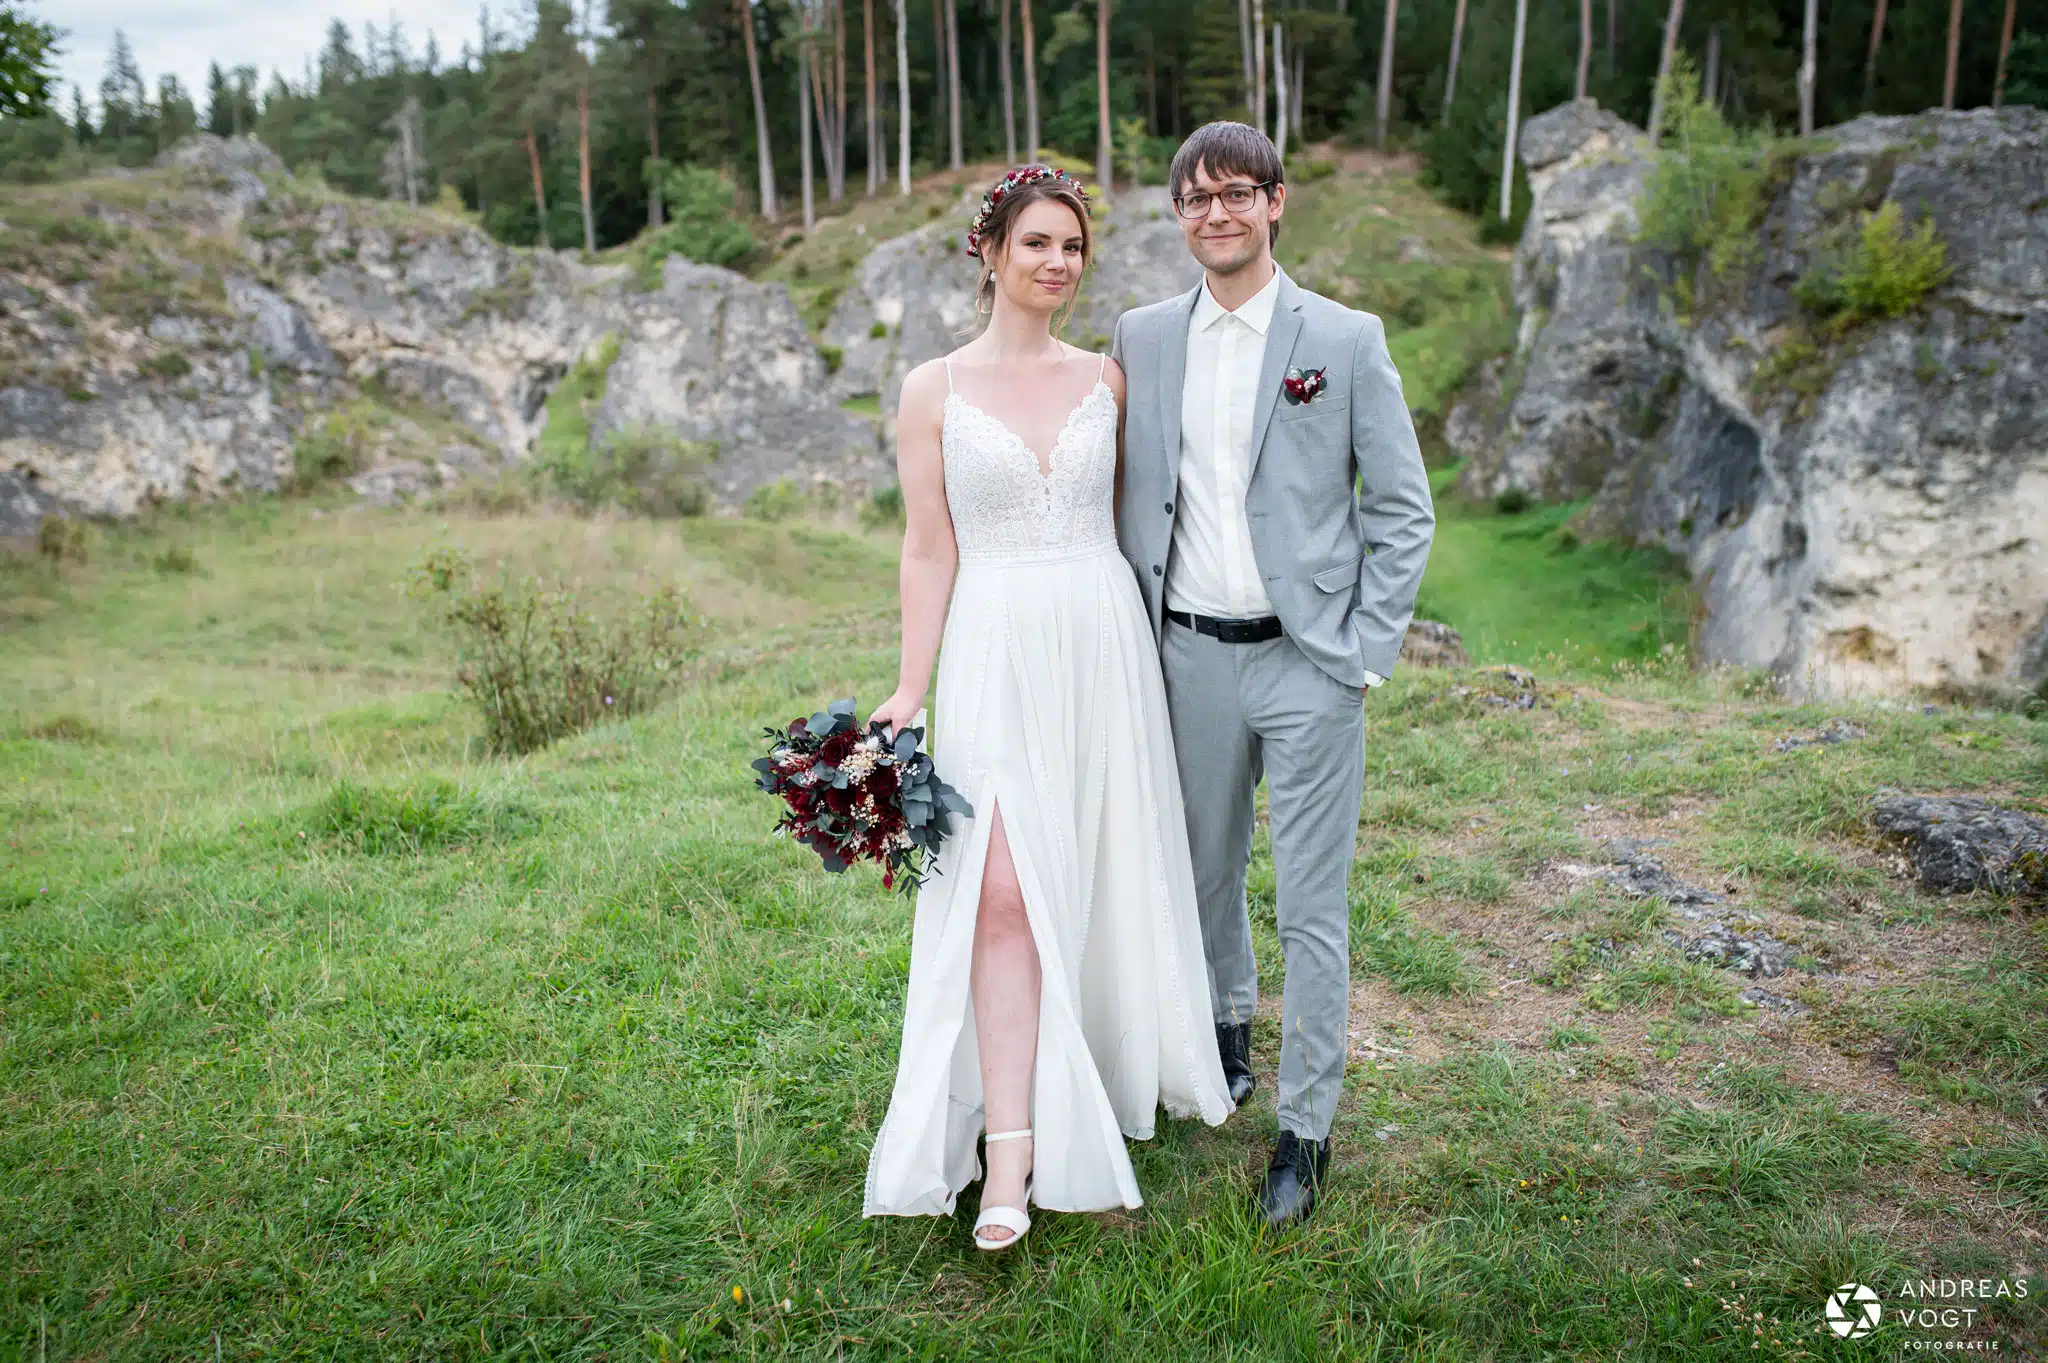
point(1339, 504)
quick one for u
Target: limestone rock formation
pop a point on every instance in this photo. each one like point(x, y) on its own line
point(269, 303)
point(1868, 515)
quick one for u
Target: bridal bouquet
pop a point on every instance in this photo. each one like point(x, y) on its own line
point(853, 797)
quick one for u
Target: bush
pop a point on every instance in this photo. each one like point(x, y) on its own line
point(1874, 267)
point(639, 468)
point(61, 539)
point(834, 357)
point(878, 330)
point(776, 501)
point(1511, 501)
point(704, 221)
point(539, 663)
point(884, 506)
point(171, 364)
point(1705, 193)
point(338, 444)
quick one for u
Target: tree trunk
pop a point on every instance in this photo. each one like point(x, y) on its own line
point(1809, 39)
point(1613, 33)
point(1279, 92)
point(867, 29)
point(1870, 58)
point(540, 198)
point(838, 100)
point(583, 158)
point(1294, 83)
point(953, 82)
point(1030, 82)
point(805, 92)
point(1507, 156)
point(1383, 97)
point(1451, 75)
point(1955, 42)
point(1710, 83)
point(654, 155)
point(1585, 47)
point(1672, 18)
point(1244, 53)
point(1009, 97)
point(903, 97)
point(1259, 64)
point(2004, 51)
point(1105, 167)
point(765, 160)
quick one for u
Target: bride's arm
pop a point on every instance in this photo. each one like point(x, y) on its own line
point(930, 556)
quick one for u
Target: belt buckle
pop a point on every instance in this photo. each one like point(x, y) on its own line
point(1237, 631)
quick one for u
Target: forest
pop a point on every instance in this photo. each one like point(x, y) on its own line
point(556, 123)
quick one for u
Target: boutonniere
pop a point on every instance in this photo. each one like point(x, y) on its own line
point(1302, 385)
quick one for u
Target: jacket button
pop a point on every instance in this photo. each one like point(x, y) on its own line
point(1157, 570)
point(1169, 508)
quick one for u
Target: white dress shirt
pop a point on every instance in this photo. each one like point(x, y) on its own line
point(1213, 569)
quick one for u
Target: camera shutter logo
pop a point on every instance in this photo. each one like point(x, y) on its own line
point(1852, 1310)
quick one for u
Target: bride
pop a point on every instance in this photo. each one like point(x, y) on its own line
point(1058, 992)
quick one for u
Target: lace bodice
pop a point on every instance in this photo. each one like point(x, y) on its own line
point(1002, 506)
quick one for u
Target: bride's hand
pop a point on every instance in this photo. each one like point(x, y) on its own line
point(898, 712)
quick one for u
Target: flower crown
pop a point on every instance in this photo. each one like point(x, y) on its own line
point(1023, 175)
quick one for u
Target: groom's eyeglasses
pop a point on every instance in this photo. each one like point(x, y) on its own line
point(1236, 198)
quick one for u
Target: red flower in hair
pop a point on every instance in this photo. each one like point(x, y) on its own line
point(1023, 175)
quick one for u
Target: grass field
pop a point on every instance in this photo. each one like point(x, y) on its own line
point(325, 1033)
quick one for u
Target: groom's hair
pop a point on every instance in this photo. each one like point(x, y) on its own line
point(1226, 149)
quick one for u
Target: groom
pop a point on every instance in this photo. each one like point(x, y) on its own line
point(1275, 509)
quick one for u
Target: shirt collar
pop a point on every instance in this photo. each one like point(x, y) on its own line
point(1255, 312)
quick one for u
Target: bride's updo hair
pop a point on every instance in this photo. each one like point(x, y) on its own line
point(1010, 196)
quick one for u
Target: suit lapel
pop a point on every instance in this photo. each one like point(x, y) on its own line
point(1281, 335)
point(1173, 377)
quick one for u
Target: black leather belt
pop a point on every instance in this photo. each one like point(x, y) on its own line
point(1229, 631)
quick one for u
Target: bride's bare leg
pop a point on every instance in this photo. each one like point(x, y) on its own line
point(1004, 979)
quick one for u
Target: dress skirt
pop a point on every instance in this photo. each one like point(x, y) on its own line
point(1051, 708)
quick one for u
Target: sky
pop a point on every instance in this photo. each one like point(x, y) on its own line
point(182, 36)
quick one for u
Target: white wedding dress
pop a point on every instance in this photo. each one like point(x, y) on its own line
point(1050, 707)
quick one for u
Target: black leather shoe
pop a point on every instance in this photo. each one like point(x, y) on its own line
point(1234, 1044)
point(1289, 1193)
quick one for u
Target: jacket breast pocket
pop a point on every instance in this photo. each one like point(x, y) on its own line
point(1316, 409)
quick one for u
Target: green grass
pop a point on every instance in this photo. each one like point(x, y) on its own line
point(1522, 589)
point(327, 1034)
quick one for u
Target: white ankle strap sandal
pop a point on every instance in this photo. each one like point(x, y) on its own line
point(1013, 1219)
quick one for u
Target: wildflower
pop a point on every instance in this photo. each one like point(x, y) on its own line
point(737, 1295)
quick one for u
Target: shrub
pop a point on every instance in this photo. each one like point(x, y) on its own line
point(884, 506)
point(1706, 190)
point(704, 222)
point(775, 501)
point(834, 357)
point(639, 468)
point(1511, 501)
point(539, 662)
point(879, 330)
point(338, 444)
point(176, 561)
point(61, 539)
point(1874, 267)
point(171, 364)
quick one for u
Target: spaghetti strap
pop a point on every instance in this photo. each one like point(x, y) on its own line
point(947, 360)
point(1103, 367)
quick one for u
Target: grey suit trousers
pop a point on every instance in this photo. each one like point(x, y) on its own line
point(1240, 712)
